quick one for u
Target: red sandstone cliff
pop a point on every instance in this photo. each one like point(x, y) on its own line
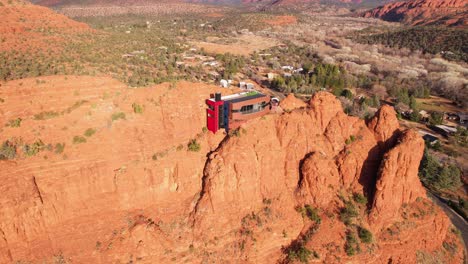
point(133, 191)
point(424, 12)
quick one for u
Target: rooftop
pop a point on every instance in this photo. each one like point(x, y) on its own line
point(239, 97)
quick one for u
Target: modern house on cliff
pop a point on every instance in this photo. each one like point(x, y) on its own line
point(230, 111)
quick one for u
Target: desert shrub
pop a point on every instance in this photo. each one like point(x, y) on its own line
point(117, 116)
point(350, 140)
point(138, 109)
point(359, 198)
point(450, 247)
point(33, 149)
point(301, 253)
point(460, 137)
point(312, 214)
point(235, 133)
point(59, 148)
point(7, 150)
point(348, 213)
point(352, 245)
point(79, 140)
point(347, 93)
point(89, 132)
point(365, 235)
point(46, 115)
point(15, 122)
point(193, 145)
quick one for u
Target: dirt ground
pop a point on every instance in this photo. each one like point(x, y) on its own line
point(242, 45)
point(281, 20)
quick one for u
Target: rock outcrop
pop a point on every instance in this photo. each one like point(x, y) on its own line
point(133, 191)
point(291, 102)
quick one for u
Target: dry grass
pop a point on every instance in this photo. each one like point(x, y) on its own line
point(438, 104)
point(242, 45)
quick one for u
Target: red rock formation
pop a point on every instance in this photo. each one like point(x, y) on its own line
point(424, 12)
point(133, 192)
point(398, 182)
point(291, 103)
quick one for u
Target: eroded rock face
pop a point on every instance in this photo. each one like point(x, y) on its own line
point(133, 191)
point(398, 182)
point(315, 156)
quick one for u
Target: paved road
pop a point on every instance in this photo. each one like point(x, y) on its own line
point(456, 219)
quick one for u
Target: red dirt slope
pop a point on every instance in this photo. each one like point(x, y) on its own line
point(24, 26)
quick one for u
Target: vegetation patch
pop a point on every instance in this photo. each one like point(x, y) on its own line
point(352, 244)
point(7, 150)
point(439, 176)
point(359, 198)
point(364, 235)
point(79, 139)
point(449, 41)
point(33, 149)
point(59, 148)
point(14, 122)
point(117, 116)
point(46, 115)
point(89, 132)
point(309, 212)
point(138, 109)
point(348, 213)
point(194, 146)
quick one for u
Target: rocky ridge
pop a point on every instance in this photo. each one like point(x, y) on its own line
point(423, 12)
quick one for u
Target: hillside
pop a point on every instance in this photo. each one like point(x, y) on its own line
point(30, 27)
point(424, 12)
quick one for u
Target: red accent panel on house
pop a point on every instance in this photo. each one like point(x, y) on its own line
point(212, 115)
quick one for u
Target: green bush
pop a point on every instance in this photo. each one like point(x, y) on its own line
point(59, 148)
point(359, 198)
point(15, 122)
point(117, 116)
point(301, 253)
point(348, 213)
point(46, 115)
point(365, 235)
point(351, 246)
point(79, 140)
point(7, 150)
point(193, 145)
point(350, 140)
point(32, 150)
point(312, 214)
point(138, 109)
point(89, 132)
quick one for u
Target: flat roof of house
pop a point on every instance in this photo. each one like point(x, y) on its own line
point(240, 97)
point(447, 128)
